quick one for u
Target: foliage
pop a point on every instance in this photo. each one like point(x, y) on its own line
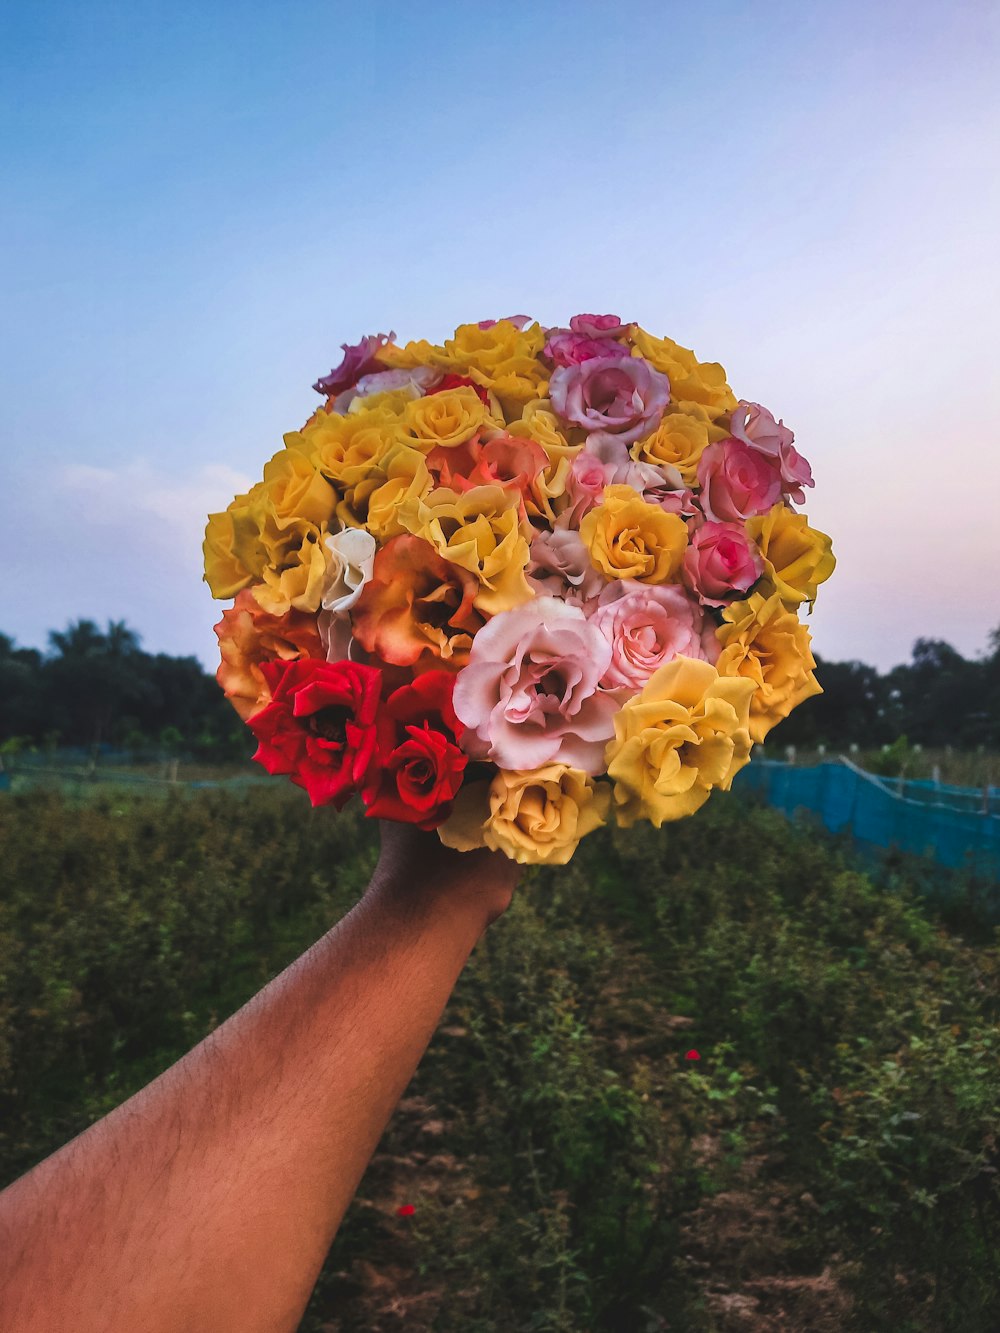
point(938, 698)
point(97, 687)
point(829, 1162)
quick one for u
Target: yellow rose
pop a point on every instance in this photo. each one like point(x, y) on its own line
point(420, 353)
point(346, 447)
point(690, 379)
point(540, 816)
point(406, 481)
point(796, 557)
point(630, 539)
point(677, 442)
point(481, 530)
point(448, 419)
point(296, 576)
point(685, 733)
point(764, 642)
point(539, 423)
point(465, 827)
point(295, 490)
point(263, 530)
point(225, 574)
point(502, 358)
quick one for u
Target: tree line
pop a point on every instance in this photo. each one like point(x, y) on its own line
point(97, 686)
point(938, 698)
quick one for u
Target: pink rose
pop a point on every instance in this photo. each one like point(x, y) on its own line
point(622, 396)
point(359, 359)
point(529, 695)
point(648, 626)
point(587, 337)
point(585, 482)
point(755, 425)
point(560, 566)
point(605, 461)
point(566, 348)
point(599, 326)
point(721, 562)
point(737, 481)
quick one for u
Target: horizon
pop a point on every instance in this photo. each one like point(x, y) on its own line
point(204, 206)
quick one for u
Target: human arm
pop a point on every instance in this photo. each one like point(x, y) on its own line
point(207, 1202)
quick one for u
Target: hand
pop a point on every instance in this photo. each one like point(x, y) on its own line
point(414, 865)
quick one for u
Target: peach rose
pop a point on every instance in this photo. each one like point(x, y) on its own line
point(248, 637)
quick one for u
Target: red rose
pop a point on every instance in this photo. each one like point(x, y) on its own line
point(320, 726)
point(456, 382)
point(420, 766)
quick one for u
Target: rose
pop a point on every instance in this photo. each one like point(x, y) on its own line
point(500, 357)
point(605, 461)
point(413, 382)
point(529, 695)
point(319, 727)
point(572, 349)
point(420, 766)
point(685, 733)
point(350, 554)
point(539, 817)
point(762, 641)
point(443, 419)
point(588, 336)
point(560, 566)
point(646, 628)
point(295, 576)
point(348, 449)
point(417, 609)
point(359, 359)
point(481, 530)
point(225, 573)
point(737, 481)
point(622, 395)
point(248, 638)
point(630, 539)
point(691, 380)
point(599, 327)
point(407, 480)
point(797, 558)
point(457, 382)
point(500, 460)
point(678, 442)
point(721, 562)
point(755, 425)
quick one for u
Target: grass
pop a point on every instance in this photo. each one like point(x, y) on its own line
point(829, 1162)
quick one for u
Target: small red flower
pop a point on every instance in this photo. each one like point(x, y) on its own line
point(419, 767)
point(692, 1055)
point(320, 726)
point(405, 1210)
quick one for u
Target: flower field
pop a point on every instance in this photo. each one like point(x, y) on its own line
point(703, 1078)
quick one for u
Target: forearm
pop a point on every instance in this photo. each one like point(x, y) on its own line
point(208, 1201)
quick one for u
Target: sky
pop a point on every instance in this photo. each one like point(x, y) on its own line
point(201, 202)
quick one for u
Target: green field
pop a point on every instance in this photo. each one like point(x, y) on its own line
point(830, 1162)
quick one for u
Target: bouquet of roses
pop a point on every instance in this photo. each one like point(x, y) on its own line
point(519, 585)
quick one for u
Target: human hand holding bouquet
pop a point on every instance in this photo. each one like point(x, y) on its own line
point(520, 585)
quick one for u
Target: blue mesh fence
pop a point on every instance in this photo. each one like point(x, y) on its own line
point(957, 827)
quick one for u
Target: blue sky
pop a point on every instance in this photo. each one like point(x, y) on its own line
point(203, 202)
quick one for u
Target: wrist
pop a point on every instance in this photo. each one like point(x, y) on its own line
point(416, 874)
